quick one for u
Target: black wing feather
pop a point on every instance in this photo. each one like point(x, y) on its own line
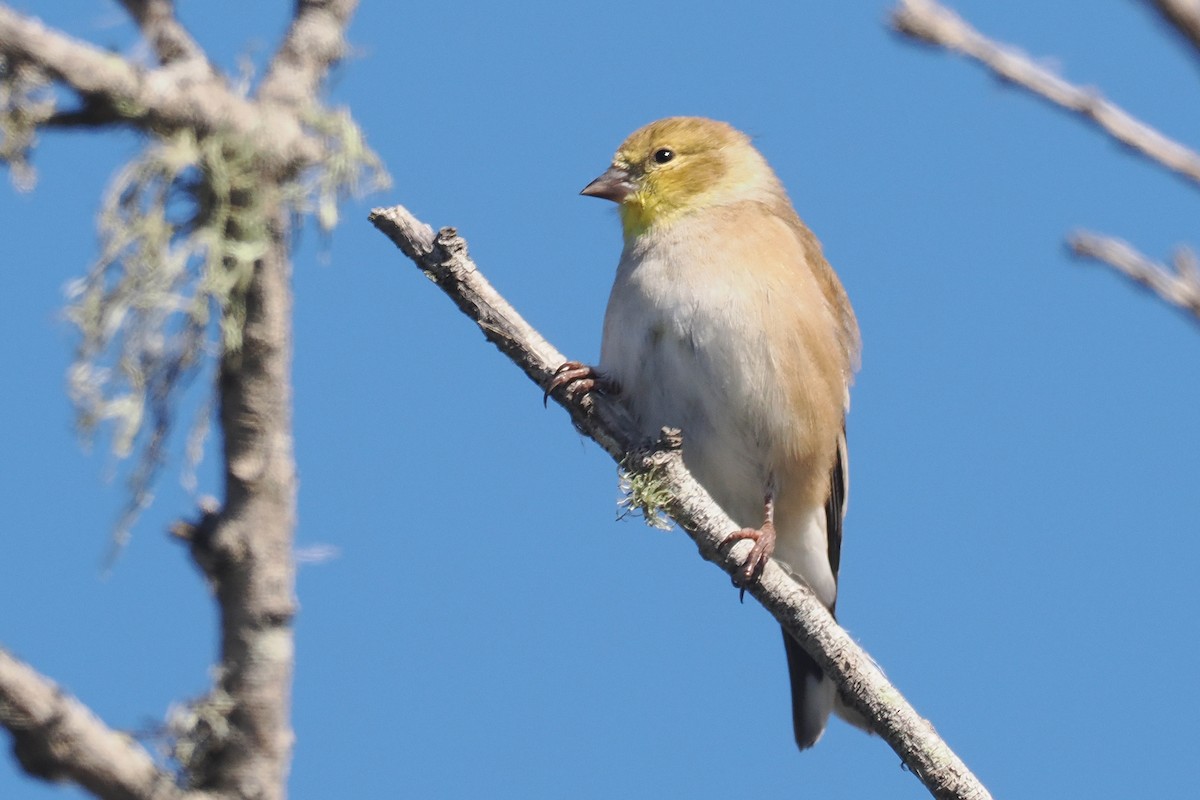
point(803, 672)
point(835, 506)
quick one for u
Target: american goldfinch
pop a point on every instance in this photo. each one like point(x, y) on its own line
point(727, 322)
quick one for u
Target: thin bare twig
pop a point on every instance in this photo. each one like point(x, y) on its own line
point(1178, 284)
point(164, 31)
point(313, 44)
point(1183, 15)
point(932, 23)
point(57, 738)
point(443, 259)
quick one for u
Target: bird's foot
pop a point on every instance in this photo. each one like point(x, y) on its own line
point(579, 379)
point(760, 554)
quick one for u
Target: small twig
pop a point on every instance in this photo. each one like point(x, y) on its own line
point(1178, 284)
point(198, 536)
point(56, 737)
point(315, 42)
point(444, 260)
point(931, 23)
point(164, 32)
point(1183, 16)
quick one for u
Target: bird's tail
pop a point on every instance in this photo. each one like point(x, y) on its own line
point(813, 694)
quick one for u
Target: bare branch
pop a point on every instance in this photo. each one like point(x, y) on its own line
point(156, 99)
point(1178, 285)
point(239, 737)
point(444, 260)
point(56, 737)
point(929, 22)
point(248, 557)
point(1183, 15)
point(163, 30)
point(313, 44)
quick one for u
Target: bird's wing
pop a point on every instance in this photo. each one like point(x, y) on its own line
point(813, 693)
point(835, 505)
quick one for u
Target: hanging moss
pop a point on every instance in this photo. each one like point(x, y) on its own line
point(26, 101)
point(182, 227)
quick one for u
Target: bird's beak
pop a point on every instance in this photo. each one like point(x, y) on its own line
point(613, 185)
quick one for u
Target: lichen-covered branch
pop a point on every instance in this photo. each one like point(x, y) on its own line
point(934, 24)
point(1178, 284)
point(246, 551)
point(1183, 15)
point(237, 740)
point(314, 43)
point(163, 30)
point(443, 258)
point(158, 99)
point(56, 737)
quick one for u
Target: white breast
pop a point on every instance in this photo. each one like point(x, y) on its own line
point(690, 354)
point(690, 351)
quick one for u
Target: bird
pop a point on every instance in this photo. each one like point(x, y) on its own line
point(726, 321)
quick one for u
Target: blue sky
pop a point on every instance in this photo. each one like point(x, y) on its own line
point(1020, 551)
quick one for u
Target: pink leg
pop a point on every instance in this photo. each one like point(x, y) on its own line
point(764, 544)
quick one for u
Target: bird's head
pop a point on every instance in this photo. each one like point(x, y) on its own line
point(681, 164)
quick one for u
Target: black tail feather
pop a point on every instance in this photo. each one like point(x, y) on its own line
point(812, 698)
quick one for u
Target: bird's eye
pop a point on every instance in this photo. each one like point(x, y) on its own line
point(663, 155)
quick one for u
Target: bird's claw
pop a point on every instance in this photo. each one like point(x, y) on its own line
point(579, 379)
point(760, 554)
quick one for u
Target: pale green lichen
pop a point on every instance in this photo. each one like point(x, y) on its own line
point(181, 228)
point(26, 101)
point(645, 494)
point(196, 733)
point(350, 169)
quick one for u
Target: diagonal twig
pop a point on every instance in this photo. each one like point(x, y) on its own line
point(1178, 284)
point(164, 31)
point(315, 41)
point(443, 259)
point(1183, 15)
point(932, 23)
